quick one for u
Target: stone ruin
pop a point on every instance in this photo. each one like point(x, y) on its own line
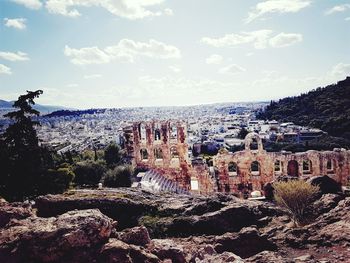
point(162, 147)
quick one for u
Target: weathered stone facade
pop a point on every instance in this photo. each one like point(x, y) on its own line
point(163, 146)
point(249, 170)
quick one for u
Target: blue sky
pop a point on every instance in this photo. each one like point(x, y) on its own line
point(120, 53)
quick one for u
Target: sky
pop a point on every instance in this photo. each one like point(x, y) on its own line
point(126, 53)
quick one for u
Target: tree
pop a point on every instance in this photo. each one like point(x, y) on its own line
point(24, 160)
point(57, 181)
point(120, 176)
point(242, 133)
point(112, 155)
point(295, 196)
point(89, 173)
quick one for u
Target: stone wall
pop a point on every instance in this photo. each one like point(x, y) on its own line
point(163, 146)
point(247, 176)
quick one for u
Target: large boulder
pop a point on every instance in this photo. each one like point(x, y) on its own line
point(116, 205)
point(325, 203)
point(231, 218)
point(168, 249)
point(326, 184)
point(246, 243)
point(10, 211)
point(267, 256)
point(71, 237)
point(137, 236)
point(116, 251)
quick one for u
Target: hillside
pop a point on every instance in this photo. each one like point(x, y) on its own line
point(44, 109)
point(326, 108)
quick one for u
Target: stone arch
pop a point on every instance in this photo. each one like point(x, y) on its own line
point(330, 166)
point(158, 153)
point(307, 166)
point(250, 138)
point(278, 166)
point(144, 154)
point(173, 131)
point(157, 132)
point(293, 168)
point(232, 168)
point(255, 168)
point(174, 154)
point(142, 131)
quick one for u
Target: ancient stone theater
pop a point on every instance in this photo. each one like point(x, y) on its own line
point(162, 147)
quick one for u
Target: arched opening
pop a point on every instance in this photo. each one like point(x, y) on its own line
point(158, 153)
point(157, 132)
point(142, 132)
point(307, 166)
point(173, 132)
point(330, 166)
point(144, 154)
point(278, 166)
point(232, 169)
point(174, 153)
point(254, 144)
point(293, 168)
point(174, 157)
point(255, 168)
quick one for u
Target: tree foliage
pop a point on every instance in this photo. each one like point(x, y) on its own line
point(325, 108)
point(112, 155)
point(27, 169)
point(89, 173)
point(295, 196)
point(120, 176)
point(22, 158)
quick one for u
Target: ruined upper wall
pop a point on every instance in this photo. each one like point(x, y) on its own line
point(252, 168)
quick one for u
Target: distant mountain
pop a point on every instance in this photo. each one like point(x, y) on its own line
point(326, 108)
point(5, 104)
point(43, 109)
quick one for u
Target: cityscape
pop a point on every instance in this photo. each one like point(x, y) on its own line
point(187, 131)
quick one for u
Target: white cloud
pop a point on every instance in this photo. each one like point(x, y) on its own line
point(19, 56)
point(285, 40)
point(276, 6)
point(87, 55)
point(338, 8)
point(340, 70)
point(93, 76)
point(347, 18)
point(260, 39)
point(126, 51)
point(175, 69)
point(168, 12)
point(32, 4)
point(5, 70)
point(214, 59)
point(231, 69)
point(72, 85)
point(136, 9)
point(18, 23)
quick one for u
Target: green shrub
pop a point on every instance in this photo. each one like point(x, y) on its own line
point(112, 155)
point(295, 196)
point(89, 173)
point(57, 181)
point(120, 176)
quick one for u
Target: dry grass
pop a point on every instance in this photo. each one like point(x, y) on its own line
point(295, 196)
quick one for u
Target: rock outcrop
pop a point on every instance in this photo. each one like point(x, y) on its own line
point(168, 228)
point(10, 211)
point(70, 237)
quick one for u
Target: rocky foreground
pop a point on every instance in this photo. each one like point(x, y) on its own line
point(124, 225)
